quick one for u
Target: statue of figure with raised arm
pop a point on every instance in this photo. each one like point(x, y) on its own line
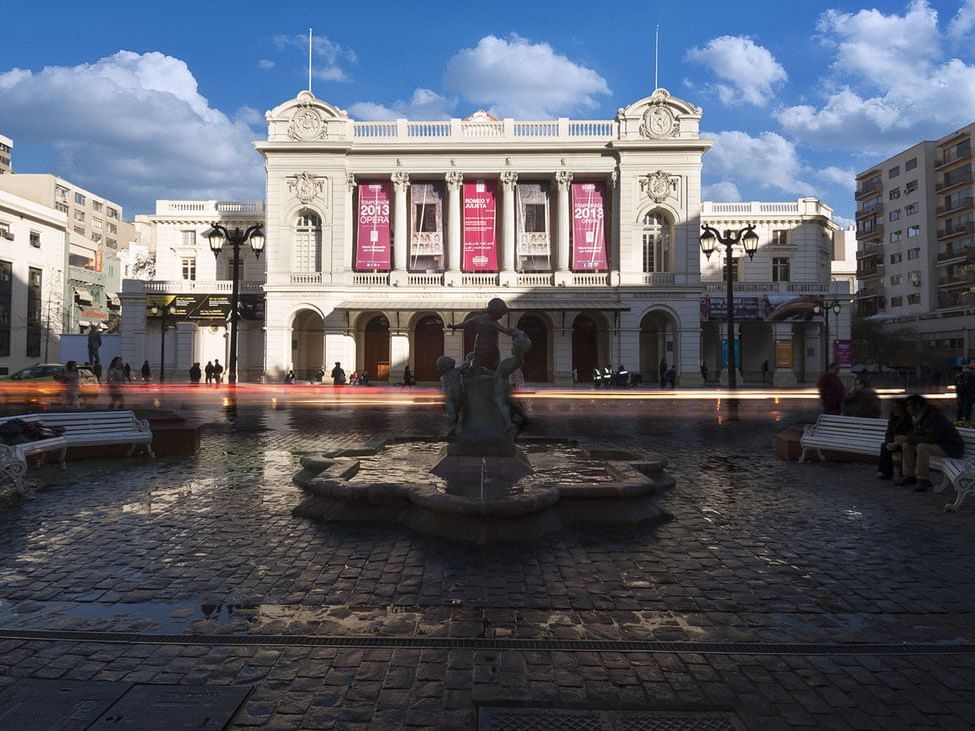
point(486, 328)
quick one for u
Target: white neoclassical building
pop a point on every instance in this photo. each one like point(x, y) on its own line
point(382, 234)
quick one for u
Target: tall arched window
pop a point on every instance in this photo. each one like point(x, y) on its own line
point(306, 251)
point(657, 237)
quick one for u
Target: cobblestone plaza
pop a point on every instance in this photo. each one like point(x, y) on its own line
point(781, 595)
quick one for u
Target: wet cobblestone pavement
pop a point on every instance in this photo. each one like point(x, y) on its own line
point(789, 595)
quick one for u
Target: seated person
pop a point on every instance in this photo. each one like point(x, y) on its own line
point(933, 435)
point(622, 377)
point(862, 401)
point(899, 423)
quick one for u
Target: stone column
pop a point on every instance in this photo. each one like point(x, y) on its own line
point(509, 179)
point(401, 184)
point(348, 235)
point(452, 276)
point(562, 274)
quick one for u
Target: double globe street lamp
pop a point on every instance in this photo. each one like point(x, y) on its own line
point(217, 235)
point(163, 313)
point(824, 310)
point(710, 238)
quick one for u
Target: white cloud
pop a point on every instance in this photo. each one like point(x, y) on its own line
point(514, 77)
point(329, 54)
point(845, 178)
point(134, 128)
point(423, 104)
point(724, 191)
point(891, 84)
point(265, 63)
point(750, 72)
point(963, 22)
point(768, 161)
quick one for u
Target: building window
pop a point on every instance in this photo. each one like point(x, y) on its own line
point(111, 243)
point(79, 230)
point(780, 237)
point(914, 253)
point(5, 231)
point(34, 281)
point(656, 242)
point(780, 269)
point(910, 164)
point(894, 236)
point(79, 199)
point(735, 270)
point(112, 228)
point(96, 206)
point(61, 193)
point(536, 218)
point(35, 239)
point(913, 231)
point(63, 207)
point(111, 213)
point(189, 238)
point(910, 187)
point(306, 251)
point(896, 301)
point(895, 279)
point(189, 268)
point(96, 223)
point(894, 171)
point(894, 215)
point(6, 289)
point(910, 209)
point(913, 299)
point(896, 258)
point(96, 238)
point(895, 193)
point(79, 215)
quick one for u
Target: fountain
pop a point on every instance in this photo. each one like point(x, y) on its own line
point(483, 483)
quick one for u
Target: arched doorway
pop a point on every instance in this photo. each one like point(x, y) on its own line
point(585, 347)
point(376, 351)
point(657, 331)
point(536, 362)
point(307, 344)
point(427, 347)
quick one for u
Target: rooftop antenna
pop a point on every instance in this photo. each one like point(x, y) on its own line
point(656, 57)
point(309, 61)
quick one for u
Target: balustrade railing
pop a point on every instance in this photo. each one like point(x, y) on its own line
point(534, 279)
point(306, 277)
point(219, 286)
point(424, 280)
point(371, 279)
point(479, 280)
point(590, 279)
point(658, 279)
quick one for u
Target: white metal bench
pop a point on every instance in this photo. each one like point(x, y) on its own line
point(852, 434)
point(864, 436)
point(81, 429)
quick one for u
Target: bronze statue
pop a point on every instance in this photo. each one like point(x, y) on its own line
point(486, 328)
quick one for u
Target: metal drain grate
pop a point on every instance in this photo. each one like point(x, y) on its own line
point(560, 719)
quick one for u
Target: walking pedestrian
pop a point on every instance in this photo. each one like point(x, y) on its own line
point(408, 379)
point(965, 391)
point(765, 372)
point(217, 371)
point(290, 377)
point(663, 372)
point(831, 390)
point(704, 371)
point(127, 369)
point(208, 371)
point(338, 375)
point(72, 385)
point(116, 379)
point(146, 371)
point(195, 374)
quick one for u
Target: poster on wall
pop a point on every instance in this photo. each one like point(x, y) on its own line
point(724, 353)
point(783, 354)
point(372, 244)
point(843, 353)
point(205, 306)
point(588, 227)
point(480, 230)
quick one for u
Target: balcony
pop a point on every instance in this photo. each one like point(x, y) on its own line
point(500, 130)
point(870, 250)
point(959, 205)
point(953, 180)
point(770, 287)
point(658, 279)
point(867, 292)
point(877, 232)
point(873, 208)
point(871, 186)
point(866, 272)
point(948, 160)
point(957, 230)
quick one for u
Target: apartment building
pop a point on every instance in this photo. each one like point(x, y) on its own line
point(916, 252)
point(6, 154)
point(32, 266)
point(96, 232)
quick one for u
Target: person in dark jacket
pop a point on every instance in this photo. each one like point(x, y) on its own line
point(862, 401)
point(898, 423)
point(831, 390)
point(965, 391)
point(933, 435)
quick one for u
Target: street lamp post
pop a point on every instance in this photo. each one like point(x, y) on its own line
point(747, 237)
point(835, 308)
point(236, 238)
point(163, 314)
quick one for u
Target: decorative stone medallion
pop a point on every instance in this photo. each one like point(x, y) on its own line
point(306, 186)
point(659, 185)
point(659, 122)
point(307, 125)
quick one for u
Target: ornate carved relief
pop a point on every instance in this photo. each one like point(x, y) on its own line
point(509, 178)
point(454, 179)
point(306, 186)
point(659, 120)
point(659, 186)
point(350, 181)
point(401, 180)
point(563, 178)
point(307, 125)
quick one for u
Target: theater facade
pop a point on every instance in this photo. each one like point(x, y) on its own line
point(381, 234)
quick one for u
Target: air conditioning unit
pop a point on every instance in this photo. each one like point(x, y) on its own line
point(916, 279)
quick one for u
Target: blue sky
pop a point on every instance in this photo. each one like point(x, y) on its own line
point(145, 100)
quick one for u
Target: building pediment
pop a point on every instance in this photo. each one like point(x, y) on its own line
point(307, 119)
point(659, 116)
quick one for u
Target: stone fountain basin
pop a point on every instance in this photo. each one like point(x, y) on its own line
point(569, 484)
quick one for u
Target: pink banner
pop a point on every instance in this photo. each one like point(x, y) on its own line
point(588, 229)
point(480, 231)
point(372, 245)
